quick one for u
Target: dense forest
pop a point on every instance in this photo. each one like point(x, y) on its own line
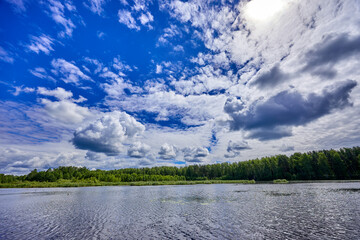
point(315, 165)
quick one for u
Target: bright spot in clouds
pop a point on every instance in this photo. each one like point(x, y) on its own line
point(261, 10)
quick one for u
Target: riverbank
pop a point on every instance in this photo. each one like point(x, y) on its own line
point(69, 183)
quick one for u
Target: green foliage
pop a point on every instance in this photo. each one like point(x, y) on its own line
point(320, 165)
point(280, 181)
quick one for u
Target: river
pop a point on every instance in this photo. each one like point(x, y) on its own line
point(218, 211)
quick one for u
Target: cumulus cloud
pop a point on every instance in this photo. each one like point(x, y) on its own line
point(138, 150)
point(167, 151)
point(235, 147)
point(65, 111)
point(289, 108)
point(68, 72)
point(108, 134)
point(233, 105)
point(42, 43)
point(195, 154)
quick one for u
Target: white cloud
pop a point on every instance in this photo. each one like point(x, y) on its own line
point(39, 72)
point(179, 48)
point(116, 85)
point(97, 63)
point(21, 89)
point(80, 99)
point(42, 43)
point(68, 72)
point(100, 34)
point(65, 111)
point(167, 152)
point(207, 79)
point(146, 18)
point(4, 56)
point(58, 93)
point(127, 19)
point(138, 150)
point(195, 154)
point(169, 33)
point(108, 134)
point(57, 13)
point(158, 69)
point(193, 109)
point(137, 16)
point(96, 6)
point(120, 65)
point(140, 5)
point(18, 5)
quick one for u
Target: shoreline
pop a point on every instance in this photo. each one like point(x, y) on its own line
point(69, 183)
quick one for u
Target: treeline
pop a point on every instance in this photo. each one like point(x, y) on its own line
point(315, 165)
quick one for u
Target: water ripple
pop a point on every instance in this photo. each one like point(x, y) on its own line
point(299, 211)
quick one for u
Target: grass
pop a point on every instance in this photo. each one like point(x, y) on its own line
point(280, 181)
point(69, 183)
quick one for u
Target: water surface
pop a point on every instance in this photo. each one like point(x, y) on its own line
point(219, 211)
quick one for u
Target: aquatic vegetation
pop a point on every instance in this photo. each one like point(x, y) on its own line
point(280, 181)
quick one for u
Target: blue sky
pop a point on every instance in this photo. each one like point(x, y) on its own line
point(113, 84)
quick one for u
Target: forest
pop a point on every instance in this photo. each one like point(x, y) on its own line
point(343, 164)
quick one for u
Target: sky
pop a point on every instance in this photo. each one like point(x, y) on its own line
point(132, 83)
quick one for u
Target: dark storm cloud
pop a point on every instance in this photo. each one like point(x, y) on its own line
point(270, 78)
point(85, 143)
point(266, 134)
point(289, 108)
point(333, 49)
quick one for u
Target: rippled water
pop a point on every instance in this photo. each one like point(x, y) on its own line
point(228, 211)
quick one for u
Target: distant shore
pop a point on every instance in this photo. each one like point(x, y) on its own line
point(69, 183)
